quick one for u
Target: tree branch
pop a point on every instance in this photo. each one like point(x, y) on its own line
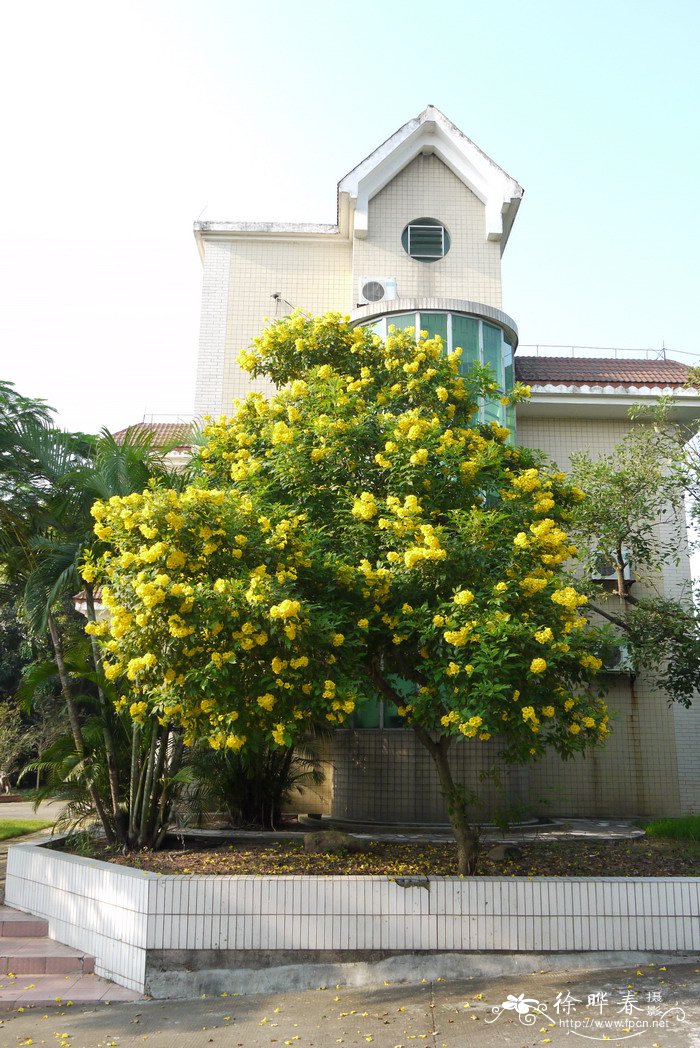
point(383, 685)
point(615, 619)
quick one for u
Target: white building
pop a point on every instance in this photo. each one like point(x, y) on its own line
point(421, 226)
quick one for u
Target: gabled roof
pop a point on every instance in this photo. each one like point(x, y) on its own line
point(432, 132)
point(177, 434)
point(599, 371)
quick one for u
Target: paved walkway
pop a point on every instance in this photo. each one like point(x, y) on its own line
point(558, 829)
point(25, 810)
point(435, 1014)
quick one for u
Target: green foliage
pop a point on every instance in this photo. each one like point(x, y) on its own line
point(72, 777)
point(634, 518)
point(49, 481)
point(24, 728)
point(686, 828)
point(15, 739)
point(21, 827)
point(251, 785)
point(632, 493)
point(663, 636)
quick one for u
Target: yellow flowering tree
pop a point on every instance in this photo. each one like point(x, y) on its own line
point(359, 532)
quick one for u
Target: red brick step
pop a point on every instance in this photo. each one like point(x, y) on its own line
point(38, 972)
point(41, 956)
point(14, 923)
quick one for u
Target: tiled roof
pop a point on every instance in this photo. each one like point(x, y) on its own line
point(178, 433)
point(599, 371)
point(80, 598)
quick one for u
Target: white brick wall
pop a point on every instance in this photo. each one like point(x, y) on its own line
point(314, 275)
point(428, 189)
point(213, 328)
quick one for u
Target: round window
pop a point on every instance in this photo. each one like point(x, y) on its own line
point(425, 240)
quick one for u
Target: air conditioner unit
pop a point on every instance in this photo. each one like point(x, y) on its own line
point(376, 289)
point(618, 660)
point(604, 568)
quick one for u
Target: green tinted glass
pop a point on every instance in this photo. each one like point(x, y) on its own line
point(391, 717)
point(434, 324)
point(510, 423)
point(492, 349)
point(493, 411)
point(465, 335)
point(402, 321)
point(367, 714)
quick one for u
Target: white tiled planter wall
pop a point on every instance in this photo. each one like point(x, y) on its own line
point(119, 914)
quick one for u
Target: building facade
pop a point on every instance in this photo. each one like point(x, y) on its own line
point(421, 226)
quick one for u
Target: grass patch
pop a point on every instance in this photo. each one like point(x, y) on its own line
point(20, 827)
point(687, 828)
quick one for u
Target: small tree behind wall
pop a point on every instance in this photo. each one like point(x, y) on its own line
point(359, 531)
point(632, 528)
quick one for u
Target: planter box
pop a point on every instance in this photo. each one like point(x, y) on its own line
point(140, 926)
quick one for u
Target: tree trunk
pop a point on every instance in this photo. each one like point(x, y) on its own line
point(134, 778)
point(466, 835)
point(165, 804)
point(157, 786)
point(151, 794)
point(75, 723)
point(121, 820)
point(145, 796)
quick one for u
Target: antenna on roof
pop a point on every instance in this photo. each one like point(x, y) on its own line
point(277, 295)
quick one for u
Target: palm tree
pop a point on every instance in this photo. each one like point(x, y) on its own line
point(35, 459)
point(51, 481)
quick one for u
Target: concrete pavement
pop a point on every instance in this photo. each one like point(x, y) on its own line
point(613, 1007)
point(25, 810)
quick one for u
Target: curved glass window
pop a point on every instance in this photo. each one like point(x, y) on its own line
point(426, 240)
point(480, 342)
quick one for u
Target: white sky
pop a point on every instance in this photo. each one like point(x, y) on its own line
point(121, 124)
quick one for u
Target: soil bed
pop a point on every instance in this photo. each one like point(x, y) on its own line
point(640, 857)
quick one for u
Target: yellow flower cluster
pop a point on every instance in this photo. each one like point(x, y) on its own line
point(286, 609)
point(591, 662)
point(569, 598)
point(365, 508)
point(137, 665)
point(532, 584)
point(528, 480)
point(460, 637)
